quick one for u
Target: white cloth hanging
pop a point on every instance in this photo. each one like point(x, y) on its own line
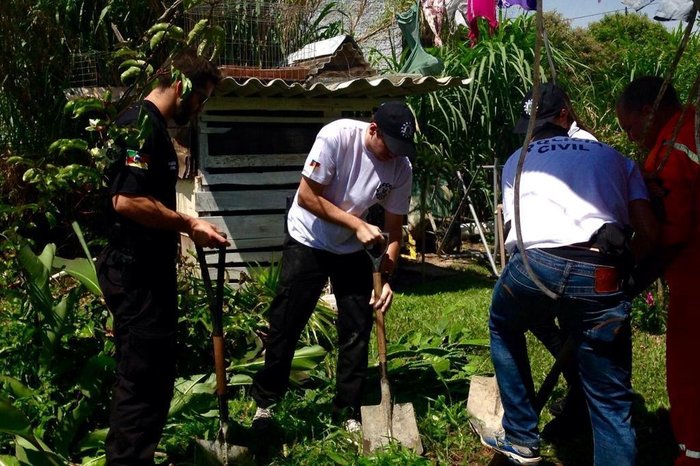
point(667, 10)
point(670, 10)
point(457, 12)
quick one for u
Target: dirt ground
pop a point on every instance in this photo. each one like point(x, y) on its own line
point(430, 266)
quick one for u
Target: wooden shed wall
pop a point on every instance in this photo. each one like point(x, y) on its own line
point(250, 153)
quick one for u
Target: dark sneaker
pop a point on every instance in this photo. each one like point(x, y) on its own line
point(516, 453)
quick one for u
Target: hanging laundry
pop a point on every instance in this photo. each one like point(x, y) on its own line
point(670, 10)
point(480, 9)
point(418, 61)
point(457, 12)
point(524, 4)
point(434, 12)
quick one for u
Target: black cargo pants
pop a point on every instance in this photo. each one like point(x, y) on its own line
point(304, 273)
point(141, 293)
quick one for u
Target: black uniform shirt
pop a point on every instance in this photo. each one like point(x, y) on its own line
point(150, 170)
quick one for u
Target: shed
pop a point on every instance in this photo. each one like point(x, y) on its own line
point(253, 137)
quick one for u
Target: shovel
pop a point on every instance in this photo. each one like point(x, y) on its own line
point(484, 402)
point(218, 451)
point(385, 422)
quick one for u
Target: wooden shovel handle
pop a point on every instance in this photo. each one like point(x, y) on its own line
point(379, 320)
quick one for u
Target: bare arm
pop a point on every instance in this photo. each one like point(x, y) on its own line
point(651, 260)
point(151, 213)
point(311, 198)
point(646, 228)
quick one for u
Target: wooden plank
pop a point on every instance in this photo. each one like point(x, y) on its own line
point(258, 160)
point(251, 179)
point(250, 227)
point(240, 201)
point(246, 258)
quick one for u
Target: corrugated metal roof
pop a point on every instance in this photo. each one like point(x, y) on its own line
point(374, 87)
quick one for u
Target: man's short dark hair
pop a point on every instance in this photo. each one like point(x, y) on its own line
point(643, 91)
point(198, 69)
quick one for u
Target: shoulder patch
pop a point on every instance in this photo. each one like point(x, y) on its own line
point(136, 159)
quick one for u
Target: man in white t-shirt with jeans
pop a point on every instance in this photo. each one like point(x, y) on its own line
point(569, 189)
point(352, 166)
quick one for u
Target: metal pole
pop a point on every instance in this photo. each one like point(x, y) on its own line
point(483, 238)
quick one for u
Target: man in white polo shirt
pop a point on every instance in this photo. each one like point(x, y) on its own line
point(352, 166)
point(573, 194)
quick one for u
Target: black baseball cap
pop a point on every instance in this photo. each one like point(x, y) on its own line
point(552, 100)
point(398, 125)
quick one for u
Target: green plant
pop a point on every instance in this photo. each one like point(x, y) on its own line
point(650, 309)
point(66, 385)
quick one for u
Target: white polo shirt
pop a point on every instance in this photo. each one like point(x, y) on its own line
point(568, 189)
point(354, 180)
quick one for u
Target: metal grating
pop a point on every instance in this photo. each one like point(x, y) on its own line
point(84, 70)
point(259, 34)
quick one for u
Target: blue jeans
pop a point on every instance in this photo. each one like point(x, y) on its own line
point(592, 309)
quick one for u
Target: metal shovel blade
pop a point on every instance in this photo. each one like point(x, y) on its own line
point(375, 430)
point(484, 406)
point(216, 453)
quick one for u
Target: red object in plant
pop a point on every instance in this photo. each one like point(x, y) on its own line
point(650, 299)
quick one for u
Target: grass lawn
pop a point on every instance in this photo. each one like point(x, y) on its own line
point(439, 318)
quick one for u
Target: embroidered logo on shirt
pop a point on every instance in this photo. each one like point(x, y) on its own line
point(383, 190)
point(314, 164)
point(136, 159)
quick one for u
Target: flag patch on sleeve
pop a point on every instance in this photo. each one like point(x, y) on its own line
point(136, 160)
point(314, 164)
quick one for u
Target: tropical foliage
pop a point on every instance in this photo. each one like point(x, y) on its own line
point(56, 357)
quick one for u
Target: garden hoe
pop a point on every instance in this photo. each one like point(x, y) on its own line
point(385, 422)
point(219, 451)
point(484, 402)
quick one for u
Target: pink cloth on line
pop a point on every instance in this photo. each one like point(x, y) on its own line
point(480, 9)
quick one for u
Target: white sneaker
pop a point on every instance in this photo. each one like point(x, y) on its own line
point(262, 414)
point(353, 425)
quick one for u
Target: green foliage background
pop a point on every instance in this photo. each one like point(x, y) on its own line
point(56, 355)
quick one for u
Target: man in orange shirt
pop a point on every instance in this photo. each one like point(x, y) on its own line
point(672, 170)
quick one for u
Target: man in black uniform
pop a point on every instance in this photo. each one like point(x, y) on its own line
point(137, 270)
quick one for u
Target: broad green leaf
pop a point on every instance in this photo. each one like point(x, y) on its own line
point(240, 379)
point(81, 238)
point(55, 322)
point(93, 441)
point(38, 269)
point(35, 453)
point(187, 392)
point(304, 359)
point(13, 421)
point(92, 383)
point(103, 14)
point(6, 460)
point(98, 461)
point(17, 388)
point(82, 270)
